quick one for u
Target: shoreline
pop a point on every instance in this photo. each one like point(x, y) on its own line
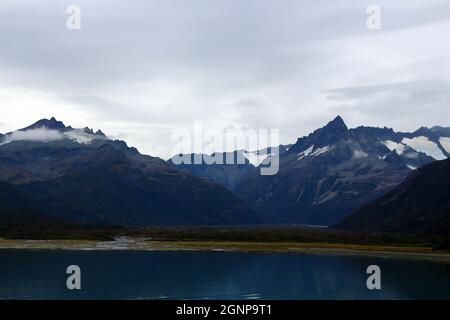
point(142, 244)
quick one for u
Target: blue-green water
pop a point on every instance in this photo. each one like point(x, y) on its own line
point(216, 275)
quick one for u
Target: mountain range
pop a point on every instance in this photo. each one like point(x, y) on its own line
point(330, 173)
point(55, 172)
point(83, 176)
point(228, 175)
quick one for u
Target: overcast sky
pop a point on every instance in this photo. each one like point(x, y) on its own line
point(138, 69)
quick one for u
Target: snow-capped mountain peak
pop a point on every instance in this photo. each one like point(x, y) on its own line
point(48, 130)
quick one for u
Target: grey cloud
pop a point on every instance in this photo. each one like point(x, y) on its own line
point(138, 66)
point(40, 134)
point(138, 40)
point(46, 135)
point(404, 103)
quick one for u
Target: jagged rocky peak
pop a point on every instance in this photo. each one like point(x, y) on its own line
point(54, 130)
point(326, 135)
point(88, 130)
point(51, 123)
point(54, 124)
point(99, 133)
point(337, 123)
point(333, 129)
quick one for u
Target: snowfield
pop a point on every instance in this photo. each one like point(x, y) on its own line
point(445, 142)
point(391, 145)
point(305, 153)
point(423, 144)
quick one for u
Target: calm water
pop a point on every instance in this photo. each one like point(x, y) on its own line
point(215, 275)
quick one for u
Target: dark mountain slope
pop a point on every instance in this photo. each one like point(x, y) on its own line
point(101, 180)
point(119, 188)
point(14, 198)
point(420, 204)
point(19, 208)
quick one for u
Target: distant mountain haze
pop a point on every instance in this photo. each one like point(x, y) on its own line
point(230, 175)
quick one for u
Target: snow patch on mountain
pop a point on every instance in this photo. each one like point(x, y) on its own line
point(255, 158)
point(320, 151)
point(411, 167)
point(305, 153)
point(391, 145)
point(359, 154)
point(80, 136)
point(423, 144)
point(445, 142)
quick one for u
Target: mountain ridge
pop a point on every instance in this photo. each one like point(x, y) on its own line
point(323, 177)
point(419, 204)
point(331, 172)
point(91, 179)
